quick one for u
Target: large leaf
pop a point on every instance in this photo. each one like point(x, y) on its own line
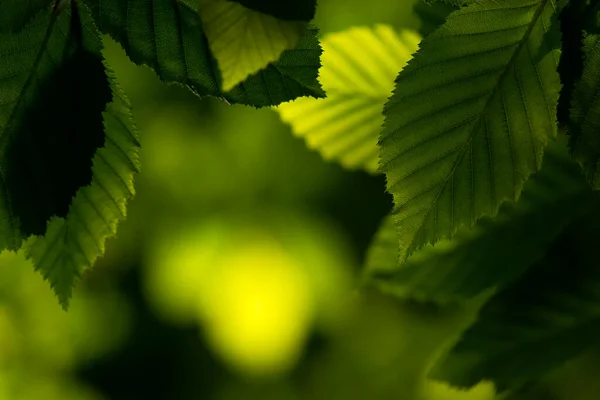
point(72, 244)
point(547, 317)
point(358, 70)
point(492, 253)
point(585, 113)
point(289, 10)
point(53, 90)
point(168, 36)
point(470, 118)
point(244, 41)
point(15, 14)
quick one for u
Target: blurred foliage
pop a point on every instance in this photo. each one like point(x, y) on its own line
point(234, 276)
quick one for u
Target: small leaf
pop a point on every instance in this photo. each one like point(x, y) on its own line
point(52, 92)
point(544, 319)
point(15, 14)
point(358, 71)
point(585, 113)
point(244, 41)
point(492, 253)
point(72, 244)
point(289, 10)
point(168, 36)
point(469, 118)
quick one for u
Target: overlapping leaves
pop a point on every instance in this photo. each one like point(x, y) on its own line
point(168, 36)
point(470, 118)
point(357, 73)
point(478, 259)
point(59, 115)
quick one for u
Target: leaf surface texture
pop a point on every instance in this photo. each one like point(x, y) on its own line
point(245, 41)
point(357, 73)
point(53, 90)
point(492, 253)
point(470, 118)
point(168, 36)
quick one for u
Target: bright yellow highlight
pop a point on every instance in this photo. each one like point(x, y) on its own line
point(441, 391)
point(359, 66)
point(245, 41)
point(258, 309)
point(257, 289)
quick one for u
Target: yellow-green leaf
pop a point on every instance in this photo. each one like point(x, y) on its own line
point(245, 41)
point(359, 66)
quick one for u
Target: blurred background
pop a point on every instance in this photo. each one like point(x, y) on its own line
point(235, 275)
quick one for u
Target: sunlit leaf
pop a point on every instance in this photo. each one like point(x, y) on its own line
point(358, 71)
point(53, 90)
point(470, 118)
point(244, 41)
point(72, 244)
point(168, 36)
point(495, 251)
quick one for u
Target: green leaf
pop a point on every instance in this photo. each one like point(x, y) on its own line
point(585, 113)
point(358, 71)
point(15, 14)
point(469, 118)
point(53, 90)
point(168, 36)
point(244, 41)
point(289, 10)
point(541, 321)
point(495, 251)
point(72, 244)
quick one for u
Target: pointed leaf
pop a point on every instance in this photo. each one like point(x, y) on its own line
point(244, 41)
point(358, 71)
point(492, 253)
point(585, 113)
point(469, 118)
point(168, 36)
point(289, 10)
point(72, 244)
point(52, 93)
point(544, 319)
point(15, 14)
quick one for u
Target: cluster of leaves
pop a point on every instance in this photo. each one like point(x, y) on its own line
point(488, 198)
point(69, 147)
point(489, 202)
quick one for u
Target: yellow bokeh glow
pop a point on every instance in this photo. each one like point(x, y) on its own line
point(258, 309)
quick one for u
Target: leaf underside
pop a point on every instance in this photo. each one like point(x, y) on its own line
point(52, 92)
point(72, 244)
point(544, 319)
point(470, 118)
point(245, 41)
point(492, 253)
point(357, 73)
point(168, 36)
point(16, 14)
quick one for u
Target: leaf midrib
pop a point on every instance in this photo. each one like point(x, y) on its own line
point(519, 48)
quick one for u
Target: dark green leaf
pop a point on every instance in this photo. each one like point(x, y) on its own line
point(469, 118)
point(53, 90)
point(585, 113)
point(431, 15)
point(168, 36)
point(72, 244)
point(15, 14)
point(545, 318)
point(288, 10)
point(492, 253)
